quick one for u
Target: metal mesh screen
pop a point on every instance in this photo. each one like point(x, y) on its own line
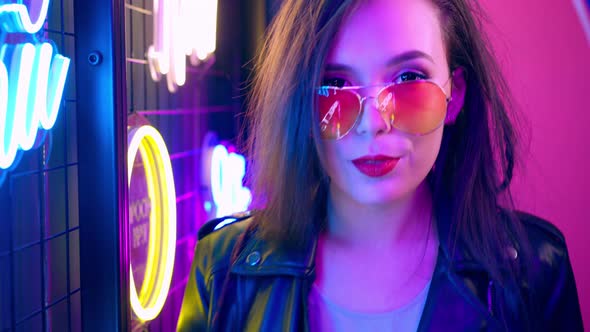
point(204, 103)
point(39, 238)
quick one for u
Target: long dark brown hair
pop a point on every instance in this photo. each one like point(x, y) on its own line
point(476, 160)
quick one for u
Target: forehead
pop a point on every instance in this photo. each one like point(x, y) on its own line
point(377, 30)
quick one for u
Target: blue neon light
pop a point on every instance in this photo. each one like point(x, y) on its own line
point(32, 80)
point(15, 17)
point(227, 174)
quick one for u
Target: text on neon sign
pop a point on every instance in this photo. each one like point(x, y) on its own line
point(32, 80)
point(140, 211)
point(227, 174)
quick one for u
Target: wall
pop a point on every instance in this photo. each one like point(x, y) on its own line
point(545, 57)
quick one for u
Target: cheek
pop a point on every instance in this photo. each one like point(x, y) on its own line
point(426, 149)
point(330, 156)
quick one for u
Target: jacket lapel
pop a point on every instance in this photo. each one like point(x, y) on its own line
point(452, 306)
point(278, 303)
point(260, 257)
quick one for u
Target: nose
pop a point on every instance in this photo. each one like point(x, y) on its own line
point(372, 120)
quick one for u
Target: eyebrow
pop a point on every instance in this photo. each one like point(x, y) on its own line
point(400, 58)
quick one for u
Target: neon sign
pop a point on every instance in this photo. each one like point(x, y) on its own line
point(181, 29)
point(223, 175)
point(32, 80)
point(15, 17)
point(152, 219)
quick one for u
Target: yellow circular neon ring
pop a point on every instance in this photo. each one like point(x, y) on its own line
point(147, 141)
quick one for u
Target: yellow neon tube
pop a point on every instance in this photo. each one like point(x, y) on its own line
point(162, 235)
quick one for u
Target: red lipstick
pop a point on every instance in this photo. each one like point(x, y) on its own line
point(375, 166)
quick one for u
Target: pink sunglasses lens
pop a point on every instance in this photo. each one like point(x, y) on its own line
point(338, 111)
point(419, 107)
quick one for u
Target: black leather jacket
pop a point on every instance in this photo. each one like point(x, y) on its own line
point(267, 287)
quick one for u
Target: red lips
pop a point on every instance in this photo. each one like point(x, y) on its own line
point(375, 166)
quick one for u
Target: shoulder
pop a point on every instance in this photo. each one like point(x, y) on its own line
point(548, 261)
point(217, 239)
point(237, 221)
point(551, 287)
point(535, 224)
point(546, 240)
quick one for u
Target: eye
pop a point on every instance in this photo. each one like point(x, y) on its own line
point(410, 76)
point(334, 82)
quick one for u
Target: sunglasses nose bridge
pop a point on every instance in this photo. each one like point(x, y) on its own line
point(381, 107)
point(371, 101)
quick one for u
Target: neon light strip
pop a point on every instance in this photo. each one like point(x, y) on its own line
point(162, 240)
point(169, 226)
point(16, 17)
point(57, 82)
point(9, 146)
point(147, 287)
point(6, 158)
point(207, 22)
point(36, 99)
point(19, 87)
point(218, 155)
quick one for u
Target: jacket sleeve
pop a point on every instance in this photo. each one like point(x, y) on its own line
point(194, 313)
point(563, 307)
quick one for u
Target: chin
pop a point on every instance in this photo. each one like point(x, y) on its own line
point(380, 194)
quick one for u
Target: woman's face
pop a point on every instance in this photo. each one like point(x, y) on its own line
point(383, 41)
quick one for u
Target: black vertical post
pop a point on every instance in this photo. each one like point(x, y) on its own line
point(102, 134)
point(252, 21)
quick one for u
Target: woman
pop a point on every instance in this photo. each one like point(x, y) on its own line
point(382, 152)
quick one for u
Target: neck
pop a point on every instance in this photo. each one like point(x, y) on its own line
point(404, 222)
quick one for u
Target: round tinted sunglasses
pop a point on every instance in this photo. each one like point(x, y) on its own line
point(414, 107)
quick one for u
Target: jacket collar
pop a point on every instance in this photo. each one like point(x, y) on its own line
point(262, 257)
point(462, 309)
point(452, 306)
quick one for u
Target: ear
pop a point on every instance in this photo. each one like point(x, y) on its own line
point(458, 88)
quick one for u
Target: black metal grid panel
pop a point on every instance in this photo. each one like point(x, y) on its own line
point(39, 237)
point(209, 101)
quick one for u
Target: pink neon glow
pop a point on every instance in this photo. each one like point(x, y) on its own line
point(181, 28)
